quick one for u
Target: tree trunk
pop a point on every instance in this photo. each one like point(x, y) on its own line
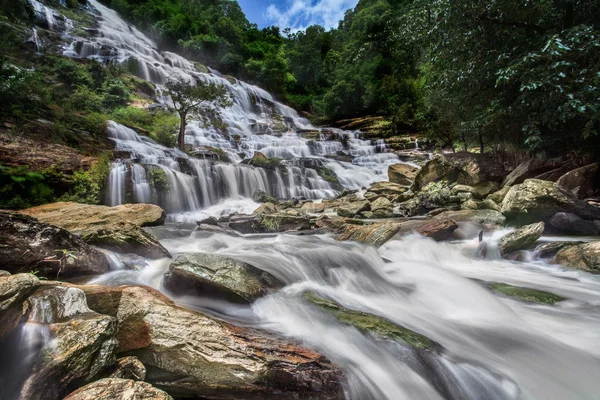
point(182, 124)
point(481, 146)
point(464, 139)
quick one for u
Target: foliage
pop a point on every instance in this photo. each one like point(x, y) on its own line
point(159, 180)
point(164, 128)
point(21, 188)
point(88, 186)
point(22, 91)
point(434, 195)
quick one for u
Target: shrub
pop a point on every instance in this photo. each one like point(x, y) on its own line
point(115, 94)
point(89, 185)
point(22, 91)
point(85, 99)
point(22, 188)
point(132, 116)
point(164, 128)
point(159, 180)
point(73, 73)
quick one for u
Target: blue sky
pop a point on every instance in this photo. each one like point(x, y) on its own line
point(296, 14)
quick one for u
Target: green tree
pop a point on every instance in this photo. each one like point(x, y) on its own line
point(202, 98)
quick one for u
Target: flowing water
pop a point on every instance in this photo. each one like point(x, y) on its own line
point(490, 346)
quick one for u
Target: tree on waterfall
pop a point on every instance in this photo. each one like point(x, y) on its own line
point(200, 98)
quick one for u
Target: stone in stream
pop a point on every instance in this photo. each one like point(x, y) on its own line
point(213, 275)
point(537, 200)
point(350, 210)
point(549, 250)
point(438, 230)
point(117, 228)
point(129, 368)
point(521, 238)
point(189, 354)
point(490, 217)
point(571, 224)
point(30, 245)
point(402, 174)
point(82, 348)
point(14, 291)
point(585, 257)
point(260, 196)
point(265, 209)
point(118, 389)
point(372, 234)
point(526, 294)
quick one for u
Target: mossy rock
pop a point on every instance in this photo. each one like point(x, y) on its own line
point(374, 325)
point(526, 294)
point(201, 68)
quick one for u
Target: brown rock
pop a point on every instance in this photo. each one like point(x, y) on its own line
point(373, 234)
point(118, 389)
point(402, 174)
point(129, 368)
point(438, 230)
point(583, 182)
point(14, 291)
point(585, 257)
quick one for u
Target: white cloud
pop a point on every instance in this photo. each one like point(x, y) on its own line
point(300, 14)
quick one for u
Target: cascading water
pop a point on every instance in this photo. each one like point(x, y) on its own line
point(254, 123)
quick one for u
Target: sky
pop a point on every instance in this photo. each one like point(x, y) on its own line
point(296, 14)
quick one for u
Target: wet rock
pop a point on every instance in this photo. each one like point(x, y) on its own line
point(208, 221)
point(583, 182)
point(499, 195)
point(245, 224)
point(129, 368)
point(571, 224)
point(350, 210)
point(117, 228)
point(14, 291)
point(283, 223)
point(438, 230)
point(479, 216)
point(469, 205)
point(549, 250)
point(585, 257)
point(191, 355)
point(265, 209)
point(213, 275)
point(380, 213)
point(260, 196)
point(402, 174)
point(489, 204)
point(77, 217)
point(381, 203)
point(521, 238)
point(373, 234)
point(536, 200)
point(118, 389)
point(29, 245)
point(83, 345)
point(526, 294)
point(316, 208)
point(387, 188)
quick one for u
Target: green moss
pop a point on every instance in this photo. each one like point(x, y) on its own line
point(271, 223)
point(526, 294)
point(201, 68)
point(328, 175)
point(372, 324)
point(271, 163)
point(88, 186)
point(159, 180)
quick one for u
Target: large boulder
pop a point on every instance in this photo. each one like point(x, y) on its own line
point(583, 182)
point(78, 217)
point(387, 189)
point(350, 210)
point(537, 200)
point(584, 256)
point(372, 234)
point(29, 245)
point(521, 238)
point(14, 291)
point(463, 168)
point(189, 354)
point(82, 347)
point(489, 217)
point(571, 224)
point(113, 228)
point(402, 174)
point(213, 275)
point(118, 389)
point(528, 169)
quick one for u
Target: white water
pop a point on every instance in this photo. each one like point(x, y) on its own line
point(494, 347)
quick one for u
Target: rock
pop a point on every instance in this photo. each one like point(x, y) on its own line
point(213, 275)
point(583, 182)
point(129, 368)
point(245, 224)
point(78, 218)
point(315, 208)
point(402, 174)
point(484, 189)
point(526, 294)
point(479, 216)
point(118, 389)
point(387, 188)
point(191, 355)
point(125, 237)
point(464, 196)
point(350, 210)
point(525, 170)
point(521, 238)
point(469, 205)
point(489, 204)
point(380, 213)
point(498, 196)
point(260, 196)
point(283, 223)
point(14, 291)
point(208, 221)
point(438, 230)
point(437, 169)
point(381, 202)
point(373, 234)
point(29, 245)
point(265, 209)
point(464, 189)
point(117, 228)
point(536, 200)
point(83, 345)
point(584, 256)
point(549, 249)
point(571, 224)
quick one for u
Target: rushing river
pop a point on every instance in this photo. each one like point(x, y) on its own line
point(492, 346)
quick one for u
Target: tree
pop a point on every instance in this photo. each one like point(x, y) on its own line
point(202, 98)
